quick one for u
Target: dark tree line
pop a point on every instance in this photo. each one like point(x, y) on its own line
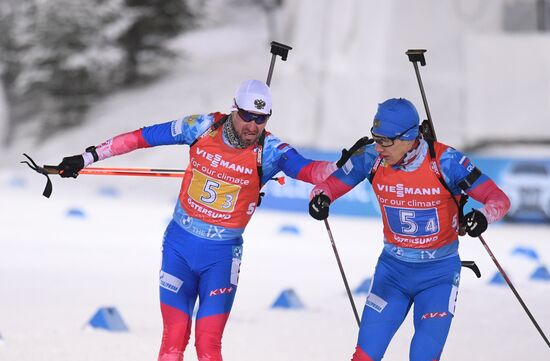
point(58, 56)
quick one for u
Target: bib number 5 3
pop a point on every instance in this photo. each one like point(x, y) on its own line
point(214, 193)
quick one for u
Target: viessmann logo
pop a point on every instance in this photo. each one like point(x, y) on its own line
point(401, 190)
point(217, 160)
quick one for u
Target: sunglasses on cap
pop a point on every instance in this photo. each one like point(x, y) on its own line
point(387, 141)
point(253, 117)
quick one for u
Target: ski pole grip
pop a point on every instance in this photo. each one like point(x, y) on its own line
point(51, 169)
point(416, 55)
point(280, 49)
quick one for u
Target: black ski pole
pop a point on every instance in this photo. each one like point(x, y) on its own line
point(505, 276)
point(427, 128)
point(342, 273)
point(417, 56)
point(281, 50)
point(276, 49)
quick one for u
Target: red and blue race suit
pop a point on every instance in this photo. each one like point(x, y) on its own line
point(419, 264)
point(202, 247)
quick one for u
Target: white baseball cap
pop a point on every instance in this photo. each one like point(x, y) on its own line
point(253, 96)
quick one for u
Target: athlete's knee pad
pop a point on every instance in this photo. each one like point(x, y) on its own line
point(175, 335)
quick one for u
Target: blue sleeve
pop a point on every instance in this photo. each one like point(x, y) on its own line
point(455, 166)
point(291, 162)
point(181, 131)
point(272, 158)
point(358, 167)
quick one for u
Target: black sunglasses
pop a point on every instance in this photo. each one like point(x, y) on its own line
point(387, 141)
point(253, 117)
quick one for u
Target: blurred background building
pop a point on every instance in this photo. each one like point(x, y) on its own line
point(487, 77)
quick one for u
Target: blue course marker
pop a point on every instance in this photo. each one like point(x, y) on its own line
point(541, 274)
point(288, 299)
point(289, 229)
point(108, 192)
point(497, 280)
point(109, 319)
point(76, 213)
point(17, 182)
point(527, 252)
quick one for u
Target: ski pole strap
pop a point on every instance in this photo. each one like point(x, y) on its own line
point(346, 154)
point(91, 149)
point(42, 170)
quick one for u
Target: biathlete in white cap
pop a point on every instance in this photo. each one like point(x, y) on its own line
point(231, 157)
point(418, 185)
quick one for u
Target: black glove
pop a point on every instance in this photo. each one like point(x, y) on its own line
point(346, 154)
point(70, 166)
point(318, 207)
point(475, 223)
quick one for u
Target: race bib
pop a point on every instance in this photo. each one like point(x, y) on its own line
point(213, 193)
point(412, 222)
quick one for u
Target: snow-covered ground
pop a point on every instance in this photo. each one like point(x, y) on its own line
point(57, 270)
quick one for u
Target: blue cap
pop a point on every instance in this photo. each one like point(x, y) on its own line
point(394, 116)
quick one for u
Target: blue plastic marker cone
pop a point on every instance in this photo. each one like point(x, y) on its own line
point(108, 318)
point(497, 279)
point(76, 213)
point(541, 274)
point(17, 182)
point(364, 287)
point(527, 252)
point(289, 229)
point(288, 299)
point(108, 192)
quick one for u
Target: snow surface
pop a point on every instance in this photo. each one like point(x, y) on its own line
point(55, 270)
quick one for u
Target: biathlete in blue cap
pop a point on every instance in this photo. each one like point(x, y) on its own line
point(418, 185)
point(231, 156)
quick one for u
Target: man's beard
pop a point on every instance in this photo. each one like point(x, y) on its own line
point(233, 137)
